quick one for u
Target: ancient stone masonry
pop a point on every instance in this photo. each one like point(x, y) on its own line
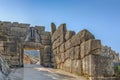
point(79, 53)
point(82, 54)
point(107, 51)
point(15, 37)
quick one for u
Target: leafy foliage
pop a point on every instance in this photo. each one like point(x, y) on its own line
point(117, 70)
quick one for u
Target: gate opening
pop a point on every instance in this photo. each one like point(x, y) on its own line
point(31, 57)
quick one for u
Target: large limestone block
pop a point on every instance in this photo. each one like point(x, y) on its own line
point(45, 42)
point(75, 41)
point(54, 45)
point(62, 29)
point(62, 48)
point(72, 53)
point(67, 44)
point(58, 66)
point(69, 34)
point(67, 65)
point(55, 35)
point(47, 57)
point(58, 50)
point(57, 59)
point(62, 57)
point(53, 28)
point(55, 52)
point(47, 49)
point(89, 46)
point(62, 39)
point(97, 66)
point(61, 66)
point(67, 54)
point(40, 28)
point(45, 33)
point(57, 42)
point(76, 67)
point(85, 35)
point(45, 37)
point(77, 52)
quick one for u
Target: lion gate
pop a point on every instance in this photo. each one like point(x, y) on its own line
point(79, 53)
point(15, 38)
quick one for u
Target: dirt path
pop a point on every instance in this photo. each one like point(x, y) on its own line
point(37, 72)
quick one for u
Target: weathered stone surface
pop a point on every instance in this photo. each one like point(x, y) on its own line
point(62, 39)
point(80, 54)
point(67, 45)
point(77, 52)
point(72, 53)
point(45, 42)
point(75, 41)
point(97, 66)
point(55, 51)
point(62, 48)
point(58, 50)
point(58, 59)
point(61, 66)
point(107, 51)
point(54, 45)
point(67, 54)
point(62, 57)
point(60, 31)
point(40, 28)
point(76, 67)
point(62, 28)
point(69, 35)
point(67, 65)
point(45, 37)
point(47, 49)
point(57, 42)
point(45, 33)
point(47, 57)
point(53, 28)
point(89, 46)
point(85, 35)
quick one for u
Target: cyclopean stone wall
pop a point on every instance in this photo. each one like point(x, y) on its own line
point(81, 54)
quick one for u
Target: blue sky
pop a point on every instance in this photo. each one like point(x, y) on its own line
point(101, 17)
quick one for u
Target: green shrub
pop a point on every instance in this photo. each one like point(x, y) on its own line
point(117, 70)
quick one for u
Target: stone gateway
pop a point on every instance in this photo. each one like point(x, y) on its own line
point(79, 53)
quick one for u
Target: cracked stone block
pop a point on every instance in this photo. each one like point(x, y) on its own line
point(89, 46)
point(97, 66)
point(69, 35)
